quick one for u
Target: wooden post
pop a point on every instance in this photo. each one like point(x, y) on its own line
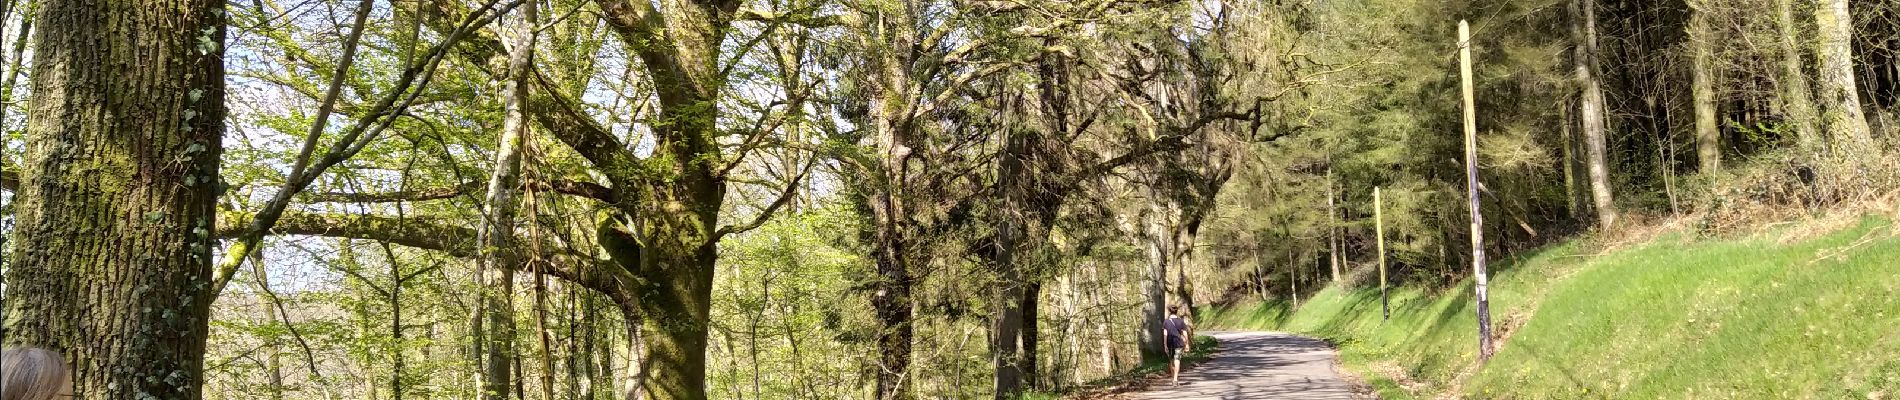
point(1332, 223)
point(1378, 228)
point(1471, 186)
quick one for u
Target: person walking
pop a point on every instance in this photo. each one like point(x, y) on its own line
point(1179, 335)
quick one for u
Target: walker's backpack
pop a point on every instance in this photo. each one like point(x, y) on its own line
point(1176, 329)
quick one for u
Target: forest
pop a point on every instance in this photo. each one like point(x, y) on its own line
point(863, 199)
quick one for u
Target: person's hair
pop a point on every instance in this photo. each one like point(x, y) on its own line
point(1174, 309)
point(32, 373)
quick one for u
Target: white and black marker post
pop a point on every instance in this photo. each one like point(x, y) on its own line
point(1471, 185)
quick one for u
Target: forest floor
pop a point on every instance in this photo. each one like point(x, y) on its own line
point(1259, 366)
point(1802, 310)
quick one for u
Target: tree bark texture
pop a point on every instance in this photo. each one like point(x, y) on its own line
point(1841, 115)
point(1702, 45)
point(115, 208)
point(1796, 100)
point(499, 259)
point(1154, 286)
point(1591, 109)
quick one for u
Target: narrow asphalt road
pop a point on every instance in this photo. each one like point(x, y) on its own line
point(1260, 365)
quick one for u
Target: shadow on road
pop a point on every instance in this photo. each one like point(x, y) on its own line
point(1261, 365)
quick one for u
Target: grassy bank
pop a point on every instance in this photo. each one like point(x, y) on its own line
point(1758, 317)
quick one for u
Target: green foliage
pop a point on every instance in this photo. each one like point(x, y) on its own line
point(787, 321)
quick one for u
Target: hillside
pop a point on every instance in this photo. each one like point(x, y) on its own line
point(1779, 314)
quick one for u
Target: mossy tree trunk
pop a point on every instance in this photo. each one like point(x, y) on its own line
point(1154, 282)
point(111, 265)
point(1590, 109)
point(1702, 46)
point(1796, 100)
point(1841, 115)
point(496, 266)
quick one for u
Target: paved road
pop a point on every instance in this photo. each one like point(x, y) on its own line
point(1260, 365)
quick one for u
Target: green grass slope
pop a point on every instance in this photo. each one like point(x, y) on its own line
point(1716, 319)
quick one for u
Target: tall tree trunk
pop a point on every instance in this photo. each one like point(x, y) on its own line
point(1006, 329)
point(1103, 338)
point(894, 308)
point(1590, 110)
point(1796, 102)
point(396, 362)
point(1702, 44)
point(676, 311)
point(111, 262)
point(1184, 248)
point(541, 326)
point(675, 204)
point(1006, 357)
point(1071, 330)
point(1842, 118)
point(1293, 275)
point(1572, 195)
point(520, 70)
point(886, 194)
point(499, 259)
point(1154, 283)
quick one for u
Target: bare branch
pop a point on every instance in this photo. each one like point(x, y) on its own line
point(438, 235)
point(574, 188)
point(1176, 139)
point(411, 83)
point(784, 197)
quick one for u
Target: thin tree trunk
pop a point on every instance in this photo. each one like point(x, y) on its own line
point(573, 364)
point(596, 358)
point(1572, 195)
point(1104, 340)
point(541, 326)
point(115, 206)
point(1702, 43)
point(1293, 275)
point(272, 347)
point(1032, 334)
point(1260, 272)
point(1796, 101)
point(1591, 109)
point(395, 321)
point(499, 259)
point(1071, 329)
